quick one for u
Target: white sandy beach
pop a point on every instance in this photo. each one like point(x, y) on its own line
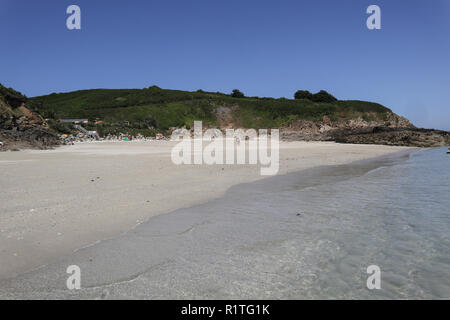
point(56, 201)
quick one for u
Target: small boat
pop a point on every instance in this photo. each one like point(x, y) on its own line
point(448, 151)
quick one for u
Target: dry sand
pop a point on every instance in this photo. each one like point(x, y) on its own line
point(54, 202)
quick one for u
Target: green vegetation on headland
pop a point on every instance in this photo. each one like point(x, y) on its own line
point(154, 109)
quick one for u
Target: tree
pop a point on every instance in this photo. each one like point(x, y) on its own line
point(303, 94)
point(323, 96)
point(237, 94)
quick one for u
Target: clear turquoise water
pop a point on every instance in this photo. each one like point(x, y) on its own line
point(397, 217)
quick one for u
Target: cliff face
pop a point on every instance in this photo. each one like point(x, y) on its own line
point(395, 136)
point(323, 130)
point(20, 127)
point(366, 129)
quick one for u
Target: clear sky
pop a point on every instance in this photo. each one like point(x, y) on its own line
point(265, 48)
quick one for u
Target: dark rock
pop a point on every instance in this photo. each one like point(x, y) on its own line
point(390, 130)
point(394, 136)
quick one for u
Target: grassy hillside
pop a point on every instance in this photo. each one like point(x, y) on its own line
point(153, 108)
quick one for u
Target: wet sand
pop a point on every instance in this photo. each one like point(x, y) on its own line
point(54, 202)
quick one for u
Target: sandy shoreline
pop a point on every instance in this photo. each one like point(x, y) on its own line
point(53, 202)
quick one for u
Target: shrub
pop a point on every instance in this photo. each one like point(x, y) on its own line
point(323, 96)
point(237, 94)
point(61, 127)
point(303, 94)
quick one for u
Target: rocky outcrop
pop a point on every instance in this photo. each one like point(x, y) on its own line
point(387, 129)
point(317, 130)
point(394, 136)
point(22, 128)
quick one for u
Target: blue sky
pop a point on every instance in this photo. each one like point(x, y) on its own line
point(265, 48)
